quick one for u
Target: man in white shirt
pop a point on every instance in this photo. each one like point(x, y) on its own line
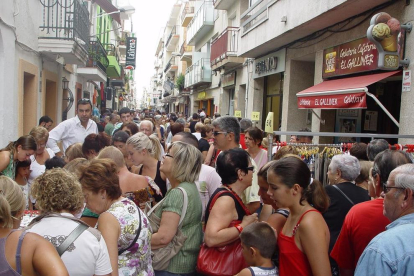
point(73, 130)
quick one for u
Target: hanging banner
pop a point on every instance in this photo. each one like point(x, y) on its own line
point(131, 51)
point(334, 101)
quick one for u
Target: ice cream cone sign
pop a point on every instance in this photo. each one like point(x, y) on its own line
point(384, 32)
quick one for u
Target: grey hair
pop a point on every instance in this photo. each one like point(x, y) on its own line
point(228, 124)
point(180, 121)
point(376, 146)
point(245, 124)
point(404, 176)
point(149, 122)
point(187, 162)
point(347, 164)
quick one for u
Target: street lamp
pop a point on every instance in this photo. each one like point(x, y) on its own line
point(65, 83)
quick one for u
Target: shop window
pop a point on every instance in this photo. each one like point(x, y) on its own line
point(273, 86)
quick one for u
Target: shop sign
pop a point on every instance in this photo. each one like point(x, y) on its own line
point(201, 95)
point(334, 101)
point(256, 116)
point(356, 56)
point(406, 85)
point(229, 79)
point(237, 113)
point(384, 31)
point(271, 64)
point(131, 50)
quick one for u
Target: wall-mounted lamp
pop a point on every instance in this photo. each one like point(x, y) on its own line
point(65, 83)
point(65, 86)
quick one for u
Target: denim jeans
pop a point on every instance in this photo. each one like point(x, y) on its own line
point(166, 273)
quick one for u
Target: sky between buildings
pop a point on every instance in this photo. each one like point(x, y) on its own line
point(149, 21)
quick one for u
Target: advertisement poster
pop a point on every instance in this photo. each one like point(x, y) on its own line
point(406, 85)
point(371, 121)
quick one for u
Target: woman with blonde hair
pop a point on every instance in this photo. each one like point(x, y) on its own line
point(181, 165)
point(144, 150)
point(19, 150)
point(122, 224)
point(39, 257)
point(73, 151)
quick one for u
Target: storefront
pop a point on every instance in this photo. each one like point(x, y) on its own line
point(268, 72)
point(365, 98)
point(205, 99)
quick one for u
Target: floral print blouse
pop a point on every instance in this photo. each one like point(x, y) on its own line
point(137, 259)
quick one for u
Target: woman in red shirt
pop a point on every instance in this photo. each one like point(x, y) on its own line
point(304, 240)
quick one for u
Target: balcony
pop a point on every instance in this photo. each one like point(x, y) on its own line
point(224, 49)
point(171, 65)
point(198, 73)
point(186, 52)
point(172, 38)
point(175, 11)
point(64, 31)
point(188, 13)
point(98, 62)
point(113, 70)
point(223, 4)
point(201, 24)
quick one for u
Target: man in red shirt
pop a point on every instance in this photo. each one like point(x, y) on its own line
point(366, 220)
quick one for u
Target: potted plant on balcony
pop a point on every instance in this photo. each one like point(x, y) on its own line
point(179, 83)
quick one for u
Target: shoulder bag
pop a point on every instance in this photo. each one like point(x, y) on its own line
point(222, 261)
point(161, 257)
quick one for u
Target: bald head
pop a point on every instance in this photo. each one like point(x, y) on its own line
point(185, 137)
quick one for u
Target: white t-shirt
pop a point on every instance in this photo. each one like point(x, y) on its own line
point(197, 135)
point(36, 169)
point(86, 256)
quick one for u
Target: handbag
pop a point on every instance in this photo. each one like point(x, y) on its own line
point(161, 257)
point(225, 260)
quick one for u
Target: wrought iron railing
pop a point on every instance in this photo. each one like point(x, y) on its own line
point(224, 45)
point(185, 48)
point(188, 9)
point(97, 54)
point(174, 31)
point(111, 50)
point(170, 63)
point(65, 19)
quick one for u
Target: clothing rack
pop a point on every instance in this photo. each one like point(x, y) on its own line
point(410, 148)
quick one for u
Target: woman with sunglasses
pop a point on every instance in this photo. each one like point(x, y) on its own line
point(181, 165)
point(36, 255)
point(226, 215)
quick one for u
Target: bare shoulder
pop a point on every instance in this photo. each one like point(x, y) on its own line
point(5, 155)
point(224, 203)
point(311, 221)
point(245, 272)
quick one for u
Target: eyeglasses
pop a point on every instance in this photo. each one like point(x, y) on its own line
point(387, 188)
point(168, 155)
point(250, 168)
point(215, 133)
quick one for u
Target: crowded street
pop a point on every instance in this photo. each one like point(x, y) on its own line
point(206, 137)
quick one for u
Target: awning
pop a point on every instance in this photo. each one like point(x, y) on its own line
point(341, 93)
point(109, 8)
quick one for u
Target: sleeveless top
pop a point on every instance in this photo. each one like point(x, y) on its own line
point(5, 268)
point(10, 170)
point(162, 184)
point(264, 271)
point(292, 261)
point(240, 211)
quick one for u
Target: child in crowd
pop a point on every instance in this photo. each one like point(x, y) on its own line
point(258, 241)
point(22, 174)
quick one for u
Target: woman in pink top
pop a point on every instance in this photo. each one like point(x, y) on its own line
point(304, 240)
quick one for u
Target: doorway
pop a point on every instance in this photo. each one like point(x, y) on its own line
point(29, 102)
point(51, 100)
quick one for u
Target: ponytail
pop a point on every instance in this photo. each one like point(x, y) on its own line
point(10, 147)
point(27, 142)
point(156, 150)
point(292, 170)
point(316, 196)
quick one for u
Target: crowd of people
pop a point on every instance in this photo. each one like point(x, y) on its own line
point(142, 193)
